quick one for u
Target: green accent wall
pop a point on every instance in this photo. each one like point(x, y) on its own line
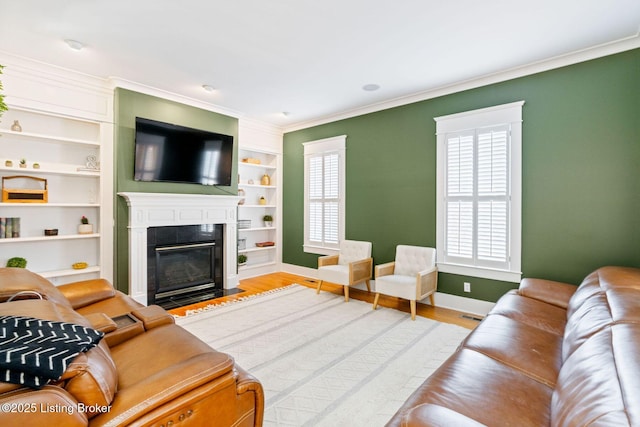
point(581, 173)
point(128, 106)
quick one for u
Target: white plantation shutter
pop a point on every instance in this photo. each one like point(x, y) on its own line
point(324, 194)
point(479, 221)
point(493, 195)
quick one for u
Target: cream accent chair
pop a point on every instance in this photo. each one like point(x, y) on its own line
point(351, 266)
point(413, 276)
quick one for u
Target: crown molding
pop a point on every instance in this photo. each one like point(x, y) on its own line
point(599, 51)
point(118, 82)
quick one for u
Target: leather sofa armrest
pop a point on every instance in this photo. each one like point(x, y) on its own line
point(153, 316)
point(101, 322)
point(549, 291)
point(86, 292)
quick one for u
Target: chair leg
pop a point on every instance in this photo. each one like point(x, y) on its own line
point(413, 309)
point(375, 301)
point(432, 300)
point(368, 285)
point(319, 286)
point(346, 293)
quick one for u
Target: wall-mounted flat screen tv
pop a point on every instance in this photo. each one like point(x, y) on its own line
point(172, 153)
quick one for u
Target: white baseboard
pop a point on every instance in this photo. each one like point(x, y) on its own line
point(453, 302)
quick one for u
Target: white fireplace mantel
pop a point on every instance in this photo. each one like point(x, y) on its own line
point(164, 209)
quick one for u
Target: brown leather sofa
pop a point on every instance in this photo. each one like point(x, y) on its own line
point(146, 371)
point(548, 354)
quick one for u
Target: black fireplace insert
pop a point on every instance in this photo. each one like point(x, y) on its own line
point(184, 261)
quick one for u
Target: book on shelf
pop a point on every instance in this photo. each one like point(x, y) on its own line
point(9, 227)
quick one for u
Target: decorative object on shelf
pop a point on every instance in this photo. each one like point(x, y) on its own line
point(17, 262)
point(244, 223)
point(265, 244)
point(241, 194)
point(262, 201)
point(16, 126)
point(9, 227)
point(36, 165)
point(91, 165)
point(85, 227)
point(25, 194)
point(242, 244)
point(8, 163)
point(79, 265)
point(268, 220)
point(23, 163)
point(250, 182)
point(251, 160)
point(3, 106)
point(242, 259)
point(266, 180)
point(50, 231)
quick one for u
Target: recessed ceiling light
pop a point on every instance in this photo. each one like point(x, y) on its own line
point(371, 87)
point(208, 88)
point(74, 44)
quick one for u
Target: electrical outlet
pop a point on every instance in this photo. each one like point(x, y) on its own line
point(467, 287)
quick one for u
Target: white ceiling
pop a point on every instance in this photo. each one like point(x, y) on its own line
point(308, 58)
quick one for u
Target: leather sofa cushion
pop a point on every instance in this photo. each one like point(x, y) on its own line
point(538, 356)
point(599, 383)
point(475, 386)
point(532, 312)
point(15, 280)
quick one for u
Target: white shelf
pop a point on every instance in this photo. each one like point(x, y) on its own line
point(58, 169)
point(257, 265)
point(273, 187)
point(49, 205)
point(49, 238)
point(50, 138)
point(255, 166)
point(256, 249)
point(256, 229)
point(256, 206)
point(69, 272)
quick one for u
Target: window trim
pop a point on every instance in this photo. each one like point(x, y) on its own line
point(311, 148)
point(511, 114)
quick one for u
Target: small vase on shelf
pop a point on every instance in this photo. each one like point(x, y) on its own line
point(16, 126)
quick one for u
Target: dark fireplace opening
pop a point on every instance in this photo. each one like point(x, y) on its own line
point(184, 264)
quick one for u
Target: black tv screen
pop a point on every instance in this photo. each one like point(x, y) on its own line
point(171, 153)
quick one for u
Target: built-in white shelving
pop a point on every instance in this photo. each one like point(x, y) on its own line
point(65, 150)
point(252, 188)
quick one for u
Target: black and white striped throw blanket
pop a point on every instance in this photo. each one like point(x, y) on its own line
point(35, 351)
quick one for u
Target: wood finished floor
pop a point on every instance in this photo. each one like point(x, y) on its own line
point(267, 282)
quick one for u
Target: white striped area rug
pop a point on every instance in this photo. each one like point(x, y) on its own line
point(324, 362)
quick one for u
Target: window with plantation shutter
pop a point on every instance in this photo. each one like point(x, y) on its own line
point(479, 192)
point(324, 171)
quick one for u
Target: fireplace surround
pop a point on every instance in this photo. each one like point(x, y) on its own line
point(166, 209)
